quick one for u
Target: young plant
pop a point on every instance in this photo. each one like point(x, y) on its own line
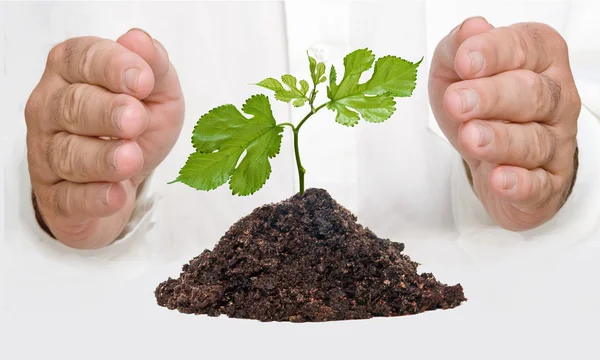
point(224, 135)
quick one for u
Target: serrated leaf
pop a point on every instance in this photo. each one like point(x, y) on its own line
point(332, 88)
point(290, 81)
point(374, 99)
point(320, 71)
point(271, 84)
point(222, 136)
point(317, 70)
point(287, 95)
point(345, 116)
point(303, 87)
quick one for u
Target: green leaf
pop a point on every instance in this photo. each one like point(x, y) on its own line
point(374, 99)
point(332, 82)
point(304, 87)
point(317, 70)
point(320, 72)
point(287, 95)
point(222, 136)
point(312, 64)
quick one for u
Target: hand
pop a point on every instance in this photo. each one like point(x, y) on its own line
point(506, 99)
point(102, 117)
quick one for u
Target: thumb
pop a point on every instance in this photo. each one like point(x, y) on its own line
point(443, 59)
point(166, 82)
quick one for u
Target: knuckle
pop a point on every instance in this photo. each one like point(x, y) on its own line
point(51, 154)
point(545, 189)
point(520, 50)
point(560, 44)
point(573, 100)
point(111, 70)
point(86, 60)
point(525, 151)
point(59, 105)
point(78, 166)
point(100, 161)
point(510, 142)
point(71, 47)
point(59, 201)
point(33, 106)
point(64, 150)
point(75, 97)
point(55, 56)
point(490, 93)
point(551, 93)
point(62, 157)
point(545, 94)
point(545, 143)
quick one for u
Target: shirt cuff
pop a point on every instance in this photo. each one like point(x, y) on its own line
point(574, 223)
point(139, 225)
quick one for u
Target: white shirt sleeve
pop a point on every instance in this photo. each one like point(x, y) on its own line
point(575, 223)
point(579, 218)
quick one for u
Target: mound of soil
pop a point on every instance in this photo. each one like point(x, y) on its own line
point(305, 259)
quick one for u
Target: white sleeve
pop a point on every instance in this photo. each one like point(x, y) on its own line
point(579, 218)
point(576, 221)
point(31, 235)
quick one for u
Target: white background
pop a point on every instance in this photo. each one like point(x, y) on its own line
point(519, 309)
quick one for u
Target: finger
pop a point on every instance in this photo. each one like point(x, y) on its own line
point(527, 190)
point(94, 111)
point(519, 95)
point(85, 159)
point(84, 201)
point(446, 49)
point(102, 62)
point(166, 81)
point(529, 46)
point(529, 145)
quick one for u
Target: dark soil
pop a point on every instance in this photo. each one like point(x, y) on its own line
point(305, 259)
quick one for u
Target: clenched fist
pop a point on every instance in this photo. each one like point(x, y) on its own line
point(102, 117)
point(506, 99)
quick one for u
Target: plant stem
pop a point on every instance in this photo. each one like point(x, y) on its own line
point(301, 169)
point(311, 113)
point(296, 129)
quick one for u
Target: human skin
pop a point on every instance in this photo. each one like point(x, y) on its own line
point(88, 154)
point(506, 100)
point(125, 91)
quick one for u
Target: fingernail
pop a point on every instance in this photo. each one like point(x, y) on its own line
point(142, 30)
point(470, 18)
point(130, 78)
point(470, 99)
point(112, 157)
point(476, 61)
point(103, 194)
point(510, 180)
point(486, 136)
point(116, 116)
